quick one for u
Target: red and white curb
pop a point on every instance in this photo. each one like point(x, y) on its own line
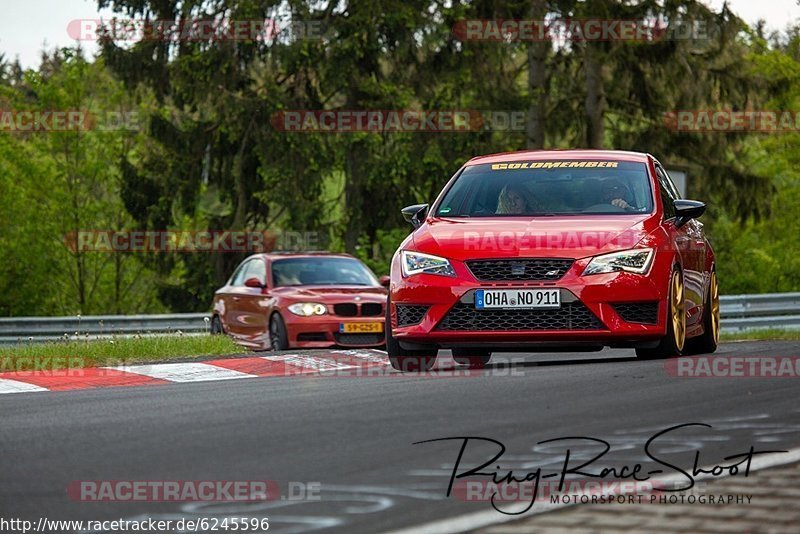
point(164, 373)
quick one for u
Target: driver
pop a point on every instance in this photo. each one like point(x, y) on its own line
point(616, 193)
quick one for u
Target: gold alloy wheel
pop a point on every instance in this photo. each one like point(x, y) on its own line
point(714, 292)
point(678, 310)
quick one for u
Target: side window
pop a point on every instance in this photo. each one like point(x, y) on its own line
point(257, 269)
point(668, 193)
point(670, 184)
point(239, 276)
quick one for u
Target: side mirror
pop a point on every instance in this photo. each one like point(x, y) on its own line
point(686, 210)
point(415, 214)
point(254, 282)
point(385, 280)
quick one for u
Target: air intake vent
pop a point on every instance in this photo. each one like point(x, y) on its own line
point(571, 316)
point(410, 314)
point(638, 312)
point(360, 339)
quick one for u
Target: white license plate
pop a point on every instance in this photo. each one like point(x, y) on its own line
point(486, 299)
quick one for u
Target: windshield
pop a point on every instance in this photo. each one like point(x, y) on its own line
point(321, 271)
point(549, 188)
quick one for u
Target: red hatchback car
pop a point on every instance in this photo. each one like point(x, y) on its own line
point(547, 250)
point(301, 300)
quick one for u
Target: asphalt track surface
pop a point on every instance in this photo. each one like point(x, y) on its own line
point(355, 435)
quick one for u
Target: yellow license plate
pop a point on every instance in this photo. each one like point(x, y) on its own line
point(360, 328)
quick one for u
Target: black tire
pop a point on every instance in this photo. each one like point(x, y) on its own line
point(407, 361)
point(216, 326)
point(673, 342)
point(278, 338)
point(475, 358)
point(708, 341)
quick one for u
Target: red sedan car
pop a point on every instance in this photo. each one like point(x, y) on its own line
point(301, 300)
point(547, 250)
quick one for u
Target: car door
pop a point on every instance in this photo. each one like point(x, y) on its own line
point(252, 304)
point(239, 301)
point(227, 299)
point(690, 245)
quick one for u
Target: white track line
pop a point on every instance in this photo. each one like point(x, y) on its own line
point(491, 517)
point(14, 386)
point(184, 372)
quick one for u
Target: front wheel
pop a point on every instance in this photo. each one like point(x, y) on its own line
point(278, 338)
point(707, 342)
point(475, 358)
point(408, 361)
point(672, 343)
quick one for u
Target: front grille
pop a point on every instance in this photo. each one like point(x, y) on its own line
point(350, 309)
point(519, 269)
point(410, 314)
point(347, 309)
point(312, 336)
point(638, 312)
point(371, 309)
point(360, 339)
point(570, 316)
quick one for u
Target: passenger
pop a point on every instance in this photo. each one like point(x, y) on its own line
point(516, 199)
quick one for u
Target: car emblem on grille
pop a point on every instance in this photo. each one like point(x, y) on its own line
point(357, 299)
point(518, 269)
point(554, 272)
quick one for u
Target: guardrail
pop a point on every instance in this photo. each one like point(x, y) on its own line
point(739, 313)
point(15, 330)
point(756, 312)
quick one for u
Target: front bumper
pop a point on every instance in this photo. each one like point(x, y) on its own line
point(323, 331)
point(614, 309)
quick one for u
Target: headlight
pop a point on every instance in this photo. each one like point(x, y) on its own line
point(307, 309)
point(633, 261)
point(416, 263)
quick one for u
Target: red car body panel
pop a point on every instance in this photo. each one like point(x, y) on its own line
point(245, 312)
point(577, 237)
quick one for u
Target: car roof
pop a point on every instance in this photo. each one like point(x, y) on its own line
point(528, 155)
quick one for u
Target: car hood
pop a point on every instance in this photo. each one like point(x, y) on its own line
point(332, 293)
point(576, 236)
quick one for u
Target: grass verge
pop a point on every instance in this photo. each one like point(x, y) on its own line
point(97, 353)
point(762, 335)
